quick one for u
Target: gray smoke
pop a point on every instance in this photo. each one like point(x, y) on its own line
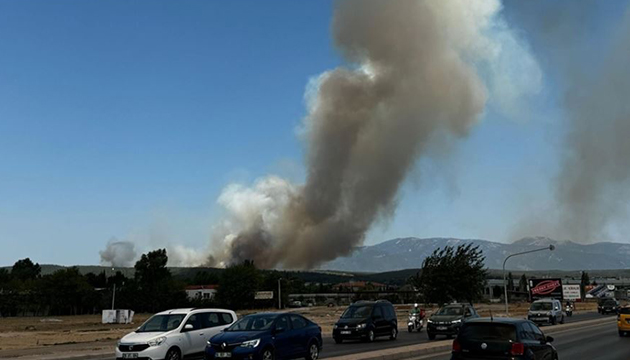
point(594, 183)
point(118, 253)
point(412, 76)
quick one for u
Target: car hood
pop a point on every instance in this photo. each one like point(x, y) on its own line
point(343, 322)
point(237, 337)
point(142, 337)
point(445, 318)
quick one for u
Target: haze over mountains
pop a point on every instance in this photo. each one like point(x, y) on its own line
point(407, 253)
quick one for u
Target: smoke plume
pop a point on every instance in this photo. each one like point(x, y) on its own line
point(412, 75)
point(593, 184)
point(118, 253)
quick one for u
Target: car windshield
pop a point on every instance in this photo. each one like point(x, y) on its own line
point(541, 306)
point(357, 312)
point(624, 311)
point(162, 323)
point(253, 323)
point(483, 331)
point(610, 303)
point(451, 310)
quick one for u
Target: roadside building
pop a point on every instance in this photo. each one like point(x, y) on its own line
point(201, 292)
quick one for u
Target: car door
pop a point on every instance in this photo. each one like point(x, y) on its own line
point(283, 338)
point(539, 345)
point(193, 339)
point(213, 323)
point(300, 334)
point(380, 323)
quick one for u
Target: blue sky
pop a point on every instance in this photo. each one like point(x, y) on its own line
point(126, 119)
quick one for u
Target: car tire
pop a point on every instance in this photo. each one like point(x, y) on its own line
point(554, 320)
point(173, 354)
point(394, 334)
point(562, 320)
point(268, 354)
point(313, 351)
point(622, 333)
point(431, 335)
point(370, 336)
point(338, 340)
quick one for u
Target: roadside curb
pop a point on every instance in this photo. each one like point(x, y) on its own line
point(67, 356)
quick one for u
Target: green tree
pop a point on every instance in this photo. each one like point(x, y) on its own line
point(156, 288)
point(238, 285)
point(584, 281)
point(453, 274)
point(522, 284)
point(67, 292)
point(25, 269)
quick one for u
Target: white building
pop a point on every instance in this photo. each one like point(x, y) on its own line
point(201, 292)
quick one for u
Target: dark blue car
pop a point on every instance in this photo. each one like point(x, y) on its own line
point(267, 336)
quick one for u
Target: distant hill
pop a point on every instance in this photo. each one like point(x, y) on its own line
point(408, 253)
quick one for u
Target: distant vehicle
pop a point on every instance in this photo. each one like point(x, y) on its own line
point(366, 320)
point(502, 338)
point(295, 304)
point(608, 306)
point(546, 311)
point(174, 334)
point(569, 309)
point(331, 303)
point(267, 336)
point(623, 321)
point(448, 320)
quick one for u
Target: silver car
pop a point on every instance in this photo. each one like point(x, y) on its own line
point(546, 311)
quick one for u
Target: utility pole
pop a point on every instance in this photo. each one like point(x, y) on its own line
point(114, 294)
point(279, 295)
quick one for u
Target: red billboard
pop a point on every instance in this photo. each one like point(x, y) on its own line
point(545, 288)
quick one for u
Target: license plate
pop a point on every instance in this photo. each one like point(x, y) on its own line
point(130, 356)
point(346, 332)
point(223, 355)
point(441, 327)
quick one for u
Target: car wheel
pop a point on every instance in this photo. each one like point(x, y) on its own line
point(173, 354)
point(562, 320)
point(394, 334)
point(267, 354)
point(313, 352)
point(431, 336)
point(338, 340)
point(370, 336)
point(622, 333)
point(553, 320)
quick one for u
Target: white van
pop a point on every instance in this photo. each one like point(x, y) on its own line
point(174, 334)
point(546, 311)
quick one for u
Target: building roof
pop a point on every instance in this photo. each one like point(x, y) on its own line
point(202, 287)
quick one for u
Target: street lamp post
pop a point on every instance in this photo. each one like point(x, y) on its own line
point(279, 295)
point(550, 248)
point(114, 292)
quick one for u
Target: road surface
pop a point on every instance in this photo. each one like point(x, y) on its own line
point(405, 338)
point(593, 342)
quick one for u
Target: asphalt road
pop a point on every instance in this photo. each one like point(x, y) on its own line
point(593, 342)
point(405, 338)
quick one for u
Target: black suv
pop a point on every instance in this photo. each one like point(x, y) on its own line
point(608, 306)
point(449, 319)
point(365, 320)
point(502, 338)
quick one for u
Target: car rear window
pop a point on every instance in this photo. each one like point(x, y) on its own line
point(625, 310)
point(488, 331)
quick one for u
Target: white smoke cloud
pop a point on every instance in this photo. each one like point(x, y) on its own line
point(118, 253)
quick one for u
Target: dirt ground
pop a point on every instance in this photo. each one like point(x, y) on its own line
point(25, 335)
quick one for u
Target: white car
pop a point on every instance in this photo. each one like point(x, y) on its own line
point(174, 334)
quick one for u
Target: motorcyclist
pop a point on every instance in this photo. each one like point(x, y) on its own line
point(415, 310)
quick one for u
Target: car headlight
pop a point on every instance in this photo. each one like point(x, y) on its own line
point(361, 326)
point(335, 326)
point(430, 321)
point(456, 321)
point(157, 342)
point(251, 343)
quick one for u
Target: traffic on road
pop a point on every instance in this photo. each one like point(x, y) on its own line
point(364, 327)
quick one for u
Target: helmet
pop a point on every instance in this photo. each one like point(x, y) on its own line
point(415, 305)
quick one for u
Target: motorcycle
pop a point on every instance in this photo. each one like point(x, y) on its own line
point(416, 321)
point(569, 310)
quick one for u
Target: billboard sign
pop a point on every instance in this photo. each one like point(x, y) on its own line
point(264, 295)
point(545, 288)
point(571, 292)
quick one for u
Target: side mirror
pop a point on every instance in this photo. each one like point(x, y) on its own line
point(188, 327)
point(549, 339)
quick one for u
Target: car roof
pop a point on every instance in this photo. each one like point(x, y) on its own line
point(496, 320)
point(190, 310)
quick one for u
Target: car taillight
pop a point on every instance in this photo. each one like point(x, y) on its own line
point(456, 347)
point(517, 349)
